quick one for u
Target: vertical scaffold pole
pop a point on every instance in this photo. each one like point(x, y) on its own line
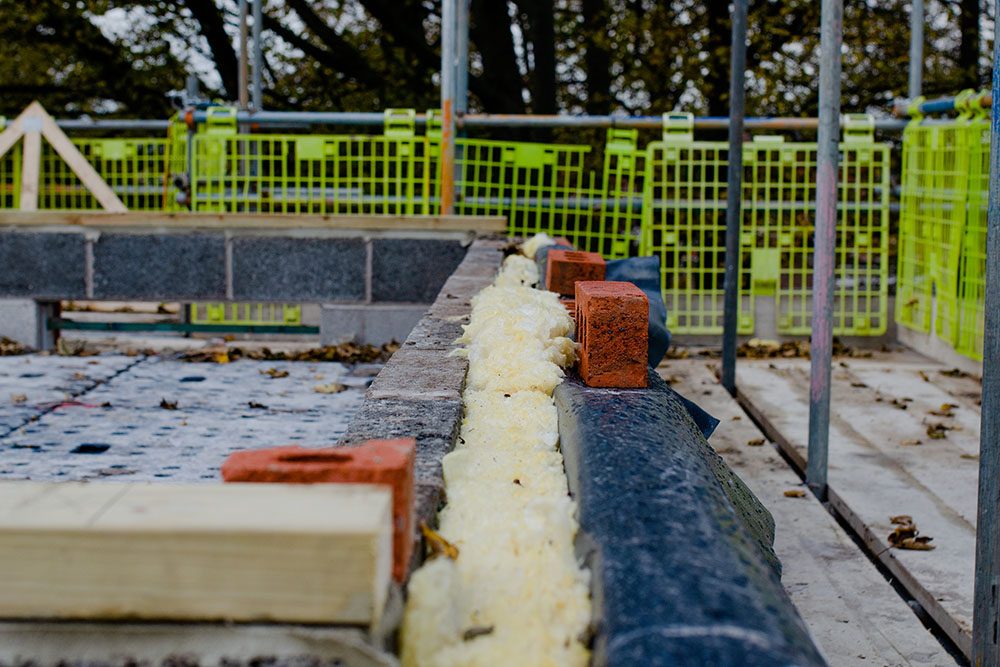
point(462, 58)
point(734, 194)
point(986, 616)
point(258, 56)
point(831, 36)
point(916, 48)
point(242, 75)
point(448, 29)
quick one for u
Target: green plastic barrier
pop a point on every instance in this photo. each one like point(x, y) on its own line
point(972, 281)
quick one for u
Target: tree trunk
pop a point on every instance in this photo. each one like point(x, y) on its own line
point(597, 58)
point(968, 48)
point(213, 28)
point(490, 30)
point(715, 85)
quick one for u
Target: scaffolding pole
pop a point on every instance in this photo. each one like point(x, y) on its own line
point(821, 348)
point(737, 95)
point(448, 30)
point(258, 55)
point(916, 48)
point(985, 617)
point(244, 98)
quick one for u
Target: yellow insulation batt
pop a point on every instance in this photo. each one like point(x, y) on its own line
point(516, 594)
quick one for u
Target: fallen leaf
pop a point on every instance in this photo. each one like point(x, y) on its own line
point(256, 406)
point(899, 404)
point(672, 379)
point(737, 418)
point(906, 535)
point(948, 406)
point(911, 442)
point(937, 431)
point(954, 373)
point(317, 377)
point(859, 385)
point(795, 493)
point(168, 405)
point(274, 373)
point(477, 631)
point(941, 413)
point(330, 388)
point(973, 457)
point(755, 443)
point(437, 544)
point(924, 376)
point(79, 375)
point(901, 519)
point(919, 543)
point(17, 399)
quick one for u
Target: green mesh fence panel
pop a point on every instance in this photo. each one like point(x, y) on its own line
point(348, 175)
point(972, 288)
point(10, 178)
point(135, 169)
point(622, 194)
point(780, 186)
point(936, 160)
point(287, 314)
point(684, 224)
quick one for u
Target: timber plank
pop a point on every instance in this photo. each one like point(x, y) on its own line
point(243, 552)
point(263, 221)
point(872, 477)
point(853, 613)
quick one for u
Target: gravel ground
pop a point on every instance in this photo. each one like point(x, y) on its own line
point(111, 417)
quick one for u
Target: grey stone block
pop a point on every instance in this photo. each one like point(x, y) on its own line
point(412, 269)
point(23, 320)
point(432, 333)
point(680, 578)
point(42, 265)
point(286, 269)
point(160, 266)
point(368, 323)
point(418, 374)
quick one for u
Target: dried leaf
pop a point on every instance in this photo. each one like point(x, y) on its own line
point(437, 544)
point(945, 407)
point(911, 442)
point(954, 373)
point(168, 405)
point(755, 443)
point(18, 399)
point(917, 544)
point(347, 353)
point(937, 431)
point(859, 385)
point(941, 413)
point(901, 533)
point(972, 457)
point(795, 493)
point(904, 519)
point(330, 388)
point(896, 403)
point(477, 631)
point(924, 376)
point(256, 406)
point(274, 373)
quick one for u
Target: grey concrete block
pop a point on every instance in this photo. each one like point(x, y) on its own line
point(160, 266)
point(432, 333)
point(42, 265)
point(412, 269)
point(680, 578)
point(418, 374)
point(376, 324)
point(280, 269)
point(23, 320)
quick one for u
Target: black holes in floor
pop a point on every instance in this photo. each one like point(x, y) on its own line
point(31, 375)
point(193, 378)
point(91, 448)
point(162, 474)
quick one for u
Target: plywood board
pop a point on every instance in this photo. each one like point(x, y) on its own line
point(245, 552)
point(854, 615)
point(873, 476)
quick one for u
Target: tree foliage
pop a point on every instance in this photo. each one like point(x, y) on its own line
point(540, 56)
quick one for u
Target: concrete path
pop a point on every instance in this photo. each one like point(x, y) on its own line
point(853, 613)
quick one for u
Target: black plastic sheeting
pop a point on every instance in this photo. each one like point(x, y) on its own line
point(680, 550)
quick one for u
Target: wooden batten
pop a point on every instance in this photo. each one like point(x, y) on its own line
point(236, 552)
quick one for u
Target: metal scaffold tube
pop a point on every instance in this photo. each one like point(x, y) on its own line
point(986, 610)
point(916, 48)
point(831, 37)
point(448, 30)
point(737, 95)
point(258, 55)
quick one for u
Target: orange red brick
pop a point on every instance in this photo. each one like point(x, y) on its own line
point(612, 328)
point(563, 268)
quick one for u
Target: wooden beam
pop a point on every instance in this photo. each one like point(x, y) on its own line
point(210, 221)
point(317, 553)
point(86, 173)
point(31, 170)
point(10, 136)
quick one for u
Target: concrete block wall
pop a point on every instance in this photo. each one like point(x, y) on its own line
point(375, 285)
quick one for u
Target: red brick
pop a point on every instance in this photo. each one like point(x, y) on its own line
point(386, 462)
point(563, 268)
point(612, 328)
point(569, 305)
